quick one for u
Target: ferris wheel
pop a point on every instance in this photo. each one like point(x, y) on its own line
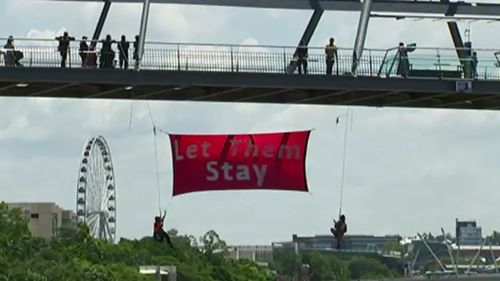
point(96, 191)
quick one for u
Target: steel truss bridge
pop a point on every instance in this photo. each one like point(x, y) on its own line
point(437, 78)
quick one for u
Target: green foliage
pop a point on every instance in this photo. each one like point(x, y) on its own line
point(494, 239)
point(365, 268)
point(328, 266)
point(74, 255)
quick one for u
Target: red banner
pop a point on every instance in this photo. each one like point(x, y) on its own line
point(274, 161)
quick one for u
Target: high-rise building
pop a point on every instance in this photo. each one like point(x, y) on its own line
point(468, 233)
point(44, 218)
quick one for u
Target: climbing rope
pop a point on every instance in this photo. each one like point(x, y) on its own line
point(344, 159)
point(156, 158)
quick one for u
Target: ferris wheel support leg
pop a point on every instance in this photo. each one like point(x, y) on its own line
point(359, 44)
point(142, 34)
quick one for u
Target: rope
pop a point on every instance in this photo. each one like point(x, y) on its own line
point(343, 164)
point(156, 158)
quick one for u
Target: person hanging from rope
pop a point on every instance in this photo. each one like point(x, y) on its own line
point(339, 229)
point(159, 234)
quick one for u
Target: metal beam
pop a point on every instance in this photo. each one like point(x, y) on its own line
point(100, 23)
point(306, 37)
point(323, 96)
point(409, 101)
point(394, 6)
point(399, 16)
point(51, 90)
point(217, 93)
point(264, 95)
point(468, 101)
point(142, 34)
point(457, 40)
point(359, 44)
point(366, 98)
point(155, 93)
point(102, 94)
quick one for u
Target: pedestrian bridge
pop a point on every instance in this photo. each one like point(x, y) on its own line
point(436, 77)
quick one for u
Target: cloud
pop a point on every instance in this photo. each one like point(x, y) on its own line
point(412, 169)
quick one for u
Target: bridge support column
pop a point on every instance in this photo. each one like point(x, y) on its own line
point(100, 23)
point(359, 44)
point(142, 34)
point(306, 37)
point(457, 39)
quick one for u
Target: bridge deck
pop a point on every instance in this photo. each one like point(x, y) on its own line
point(233, 73)
point(246, 87)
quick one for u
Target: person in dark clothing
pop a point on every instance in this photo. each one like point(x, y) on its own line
point(107, 53)
point(474, 65)
point(331, 56)
point(123, 47)
point(158, 233)
point(403, 61)
point(91, 59)
point(339, 229)
point(83, 51)
point(302, 57)
point(63, 47)
point(136, 49)
point(9, 57)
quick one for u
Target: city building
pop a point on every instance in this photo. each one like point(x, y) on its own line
point(45, 218)
point(259, 254)
point(468, 233)
point(359, 243)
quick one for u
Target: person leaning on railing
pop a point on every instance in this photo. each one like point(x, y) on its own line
point(63, 47)
point(11, 56)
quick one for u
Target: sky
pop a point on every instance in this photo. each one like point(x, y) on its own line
point(407, 170)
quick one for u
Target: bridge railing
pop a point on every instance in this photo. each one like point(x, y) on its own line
point(444, 62)
point(250, 58)
point(423, 61)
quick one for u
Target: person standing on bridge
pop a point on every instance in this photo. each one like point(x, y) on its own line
point(63, 47)
point(302, 57)
point(9, 57)
point(331, 56)
point(136, 48)
point(107, 53)
point(83, 51)
point(123, 47)
point(403, 61)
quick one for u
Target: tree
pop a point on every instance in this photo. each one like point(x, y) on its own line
point(367, 268)
point(287, 263)
point(494, 239)
point(75, 255)
point(213, 247)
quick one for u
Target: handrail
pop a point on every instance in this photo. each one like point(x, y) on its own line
point(255, 45)
point(261, 58)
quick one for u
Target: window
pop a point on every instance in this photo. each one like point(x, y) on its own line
point(34, 215)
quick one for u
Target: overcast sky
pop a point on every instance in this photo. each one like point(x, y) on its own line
point(407, 170)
